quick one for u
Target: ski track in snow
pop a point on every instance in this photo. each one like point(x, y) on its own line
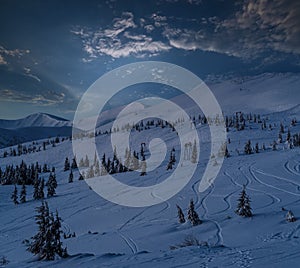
point(292, 171)
point(274, 198)
point(278, 178)
point(252, 172)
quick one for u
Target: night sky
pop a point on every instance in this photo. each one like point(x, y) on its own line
point(52, 51)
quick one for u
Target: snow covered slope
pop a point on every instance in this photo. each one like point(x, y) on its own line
point(269, 92)
point(35, 120)
point(109, 235)
point(33, 127)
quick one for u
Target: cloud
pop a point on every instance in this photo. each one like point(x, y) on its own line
point(254, 29)
point(50, 98)
point(10, 53)
point(121, 40)
point(257, 27)
point(2, 60)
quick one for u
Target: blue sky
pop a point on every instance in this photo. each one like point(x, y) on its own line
point(52, 51)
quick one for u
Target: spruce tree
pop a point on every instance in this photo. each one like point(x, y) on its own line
point(51, 185)
point(41, 189)
point(36, 187)
point(86, 161)
point(143, 167)
point(23, 194)
point(256, 148)
point(67, 164)
point(14, 196)
point(244, 208)
point(248, 148)
point(290, 216)
point(46, 243)
point(71, 176)
point(97, 168)
point(194, 157)
point(180, 214)
point(37, 242)
point(192, 214)
point(74, 163)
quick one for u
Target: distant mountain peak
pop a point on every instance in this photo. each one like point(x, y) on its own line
point(35, 120)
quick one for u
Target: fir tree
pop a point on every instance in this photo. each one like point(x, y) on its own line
point(288, 137)
point(23, 194)
point(71, 176)
point(80, 177)
point(192, 214)
point(36, 187)
point(97, 168)
point(86, 161)
point(180, 214)
point(143, 167)
point(244, 208)
point(41, 189)
point(67, 164)
point(256, 148)
point(51, 185)
point(248, 148)
point(46, 243)
point(290, 216)
point(14, 196)
point(74, 163)
point(281, 128)
point(194, 157)
point(38, 240)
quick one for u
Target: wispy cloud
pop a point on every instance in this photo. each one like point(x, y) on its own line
point(2, 60)
point(50, 98)
point(120, 40)
point(256, 27)
point(10, 53)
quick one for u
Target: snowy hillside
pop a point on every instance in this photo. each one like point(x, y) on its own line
point(35, 120)
point(109, 235)
point(269, 92)
point(33, 127)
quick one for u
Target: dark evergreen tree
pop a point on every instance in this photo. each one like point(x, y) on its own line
point(281, 128)
point(256, 148)
point(23, 194)
point(244, 208)
point(74, 163)
point(288, 137)
point(192, 214)
point(274, 146)
point(248, 148)
point(143, 167)
point(51, 185)
point(14, 196)
point(36, 188)
point(67, 164)
point(180, 214)
point(37, 242)
point(47, 243)
point(290, 216)
point(71, 176)
point(41, 189)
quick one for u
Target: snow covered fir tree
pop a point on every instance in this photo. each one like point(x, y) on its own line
point(46, 244)
point(193, 215)
point(181, 218)
point(244, 208)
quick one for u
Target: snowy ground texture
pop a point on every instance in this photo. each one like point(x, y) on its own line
point(109, 235)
